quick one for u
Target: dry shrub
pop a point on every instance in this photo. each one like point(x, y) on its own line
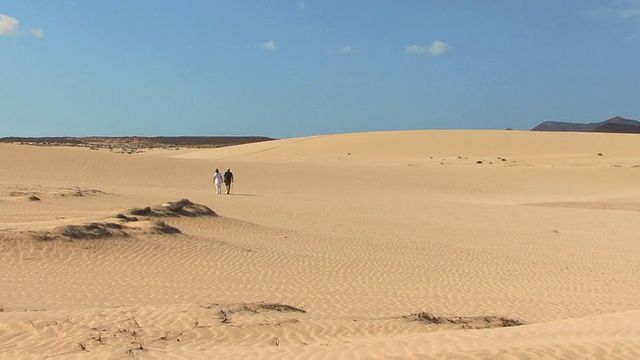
point(185, 207)
point(467, 322)
point(126, 218)
point(161, 227)
point(280, 307)
point(182, 207)
point(142, 211)
point(429, 318)
point(92, 231)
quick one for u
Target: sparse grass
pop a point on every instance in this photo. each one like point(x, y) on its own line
point(248, 308)
point(135, 321)
point(256, 308)
point(126, 218)
point(197, 325)
point(110, 228)
point(506, 322)
point(81, 347)
point(185, 207)
point(142, 211)
point(162, 228)
point(467, 322)
point(280, 307)
point(139, 347)
point(92, 231)
point(98, 338)
point(182, 207)
point(168, 336)
point(224, 317)
point(178, 206)
point(429, 318)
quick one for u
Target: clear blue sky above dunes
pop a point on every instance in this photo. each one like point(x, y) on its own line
point(304, 67)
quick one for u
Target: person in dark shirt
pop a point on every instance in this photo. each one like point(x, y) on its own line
point(228, 180)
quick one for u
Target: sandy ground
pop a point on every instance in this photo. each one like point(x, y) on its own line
point(387, 245)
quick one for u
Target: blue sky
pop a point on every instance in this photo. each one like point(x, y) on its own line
point(305, 67)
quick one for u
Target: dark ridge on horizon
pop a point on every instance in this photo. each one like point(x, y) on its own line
point(614, 125)
point(134, 143)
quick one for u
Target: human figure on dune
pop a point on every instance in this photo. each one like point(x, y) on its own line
point(228, 180)
point(217, 180)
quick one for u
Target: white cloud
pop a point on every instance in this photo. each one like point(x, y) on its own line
point(8, 25)
point(36, 32)
point(269, 45)
point(632, 37)
point(617, 10)
point(630, 11)
point(437, 48)
point(346, 50)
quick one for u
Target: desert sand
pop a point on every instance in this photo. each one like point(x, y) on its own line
point(381, 245)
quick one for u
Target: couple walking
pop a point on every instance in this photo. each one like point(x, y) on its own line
point(218, 179)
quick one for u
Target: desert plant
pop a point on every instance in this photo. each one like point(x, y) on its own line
point(163, 228)
point(280, 307)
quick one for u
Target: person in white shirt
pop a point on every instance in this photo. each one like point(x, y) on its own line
point(217, 180)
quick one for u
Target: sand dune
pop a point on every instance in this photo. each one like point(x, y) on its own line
point(408, 244)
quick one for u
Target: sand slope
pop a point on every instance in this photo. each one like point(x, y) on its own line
point(333, 246)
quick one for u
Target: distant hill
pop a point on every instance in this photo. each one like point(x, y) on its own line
point(613, 125)
point(132, 144)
